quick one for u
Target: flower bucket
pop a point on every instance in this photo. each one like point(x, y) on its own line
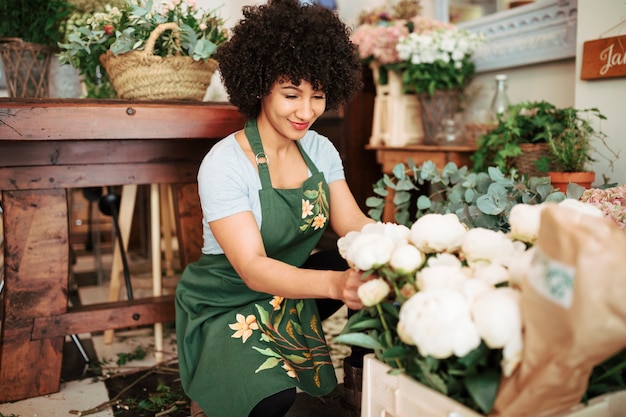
point(397, 116)
point(141, 75)
point(390, 395)
point(436, 108)
point(26, 67)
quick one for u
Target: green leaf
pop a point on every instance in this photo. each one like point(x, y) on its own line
point(483, 388)
point(374, 201)
point(268, 364)
point(399, 171)
point(423, 202)
point(358, 339)
point(373, 323)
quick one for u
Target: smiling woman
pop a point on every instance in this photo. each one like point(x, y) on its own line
point(249, 311)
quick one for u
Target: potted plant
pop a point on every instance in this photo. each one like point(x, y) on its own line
point(29, 32)
point(570, 148)
point(536, 137)
point(519, 139)
point(177, 38)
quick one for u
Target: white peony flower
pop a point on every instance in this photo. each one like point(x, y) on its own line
point(373, 291)
point(498, 316)
point(512, 355)
point(520, 265)
point(438, 322)
point(582, 207)
point(492, 274)
point(438, 233)
point(368, 251)
point(444, 259)
point(524, 220)
point(486, 246)
point(441, 276)
point(474, 288)
point(406, 259)
point(398, 233)
point(344, 242)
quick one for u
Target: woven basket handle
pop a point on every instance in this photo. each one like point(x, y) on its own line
point(158, 31)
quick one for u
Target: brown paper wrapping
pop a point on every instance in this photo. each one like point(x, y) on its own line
point(574, 304)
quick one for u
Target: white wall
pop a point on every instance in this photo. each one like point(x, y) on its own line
point(557, 82)
point(595, 18)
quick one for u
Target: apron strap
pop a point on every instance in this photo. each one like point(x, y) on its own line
point(254, 139)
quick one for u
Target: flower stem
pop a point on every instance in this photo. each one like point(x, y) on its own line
point(379, 309)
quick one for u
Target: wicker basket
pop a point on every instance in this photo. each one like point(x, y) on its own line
point(26, 67)
point(141, 75)
point(532, 152)
point(473, 131)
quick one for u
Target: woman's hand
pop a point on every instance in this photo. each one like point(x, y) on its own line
point(352, 281)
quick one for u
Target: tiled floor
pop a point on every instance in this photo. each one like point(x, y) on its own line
point(85, 394)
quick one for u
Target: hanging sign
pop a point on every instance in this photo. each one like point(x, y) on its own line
point(604, 58)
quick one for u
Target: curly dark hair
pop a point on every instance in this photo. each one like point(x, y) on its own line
point(286, 39)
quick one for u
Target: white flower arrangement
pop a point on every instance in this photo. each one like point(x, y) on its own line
point(439, 59)
point(443, 302)
point(437, 294)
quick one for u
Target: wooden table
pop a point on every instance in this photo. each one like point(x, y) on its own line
point(389, 157)
point(50, 146)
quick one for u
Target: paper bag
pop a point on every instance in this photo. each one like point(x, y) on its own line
point(574, 309)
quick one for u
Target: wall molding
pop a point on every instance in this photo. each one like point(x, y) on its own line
point(539, 32)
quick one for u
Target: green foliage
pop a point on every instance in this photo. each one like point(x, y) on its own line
point(567, 131)
point(479, 199)
point(609, 376)
point(472, 380)
point(127, 28)
point(571, 145)
point(36, 21)
point(427, 78)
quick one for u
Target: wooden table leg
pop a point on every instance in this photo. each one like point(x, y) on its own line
point(125, 216)
point(36, 285)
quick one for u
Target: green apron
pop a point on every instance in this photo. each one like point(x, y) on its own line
point(237, 346)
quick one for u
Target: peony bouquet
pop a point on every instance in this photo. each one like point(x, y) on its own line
point(439, 307)
point(447, 306)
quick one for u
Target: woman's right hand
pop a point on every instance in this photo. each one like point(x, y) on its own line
point(352, 281)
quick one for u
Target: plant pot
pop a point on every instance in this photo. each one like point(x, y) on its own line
point(560, 180)
point(531, 153)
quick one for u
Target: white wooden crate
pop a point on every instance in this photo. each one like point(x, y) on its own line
point(386, 395)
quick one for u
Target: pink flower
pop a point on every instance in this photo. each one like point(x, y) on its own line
point(379, 41)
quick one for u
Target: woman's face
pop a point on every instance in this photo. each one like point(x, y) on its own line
point(291, 109)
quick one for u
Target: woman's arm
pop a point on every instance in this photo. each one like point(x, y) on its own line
point(239, 237)
point(345, 213)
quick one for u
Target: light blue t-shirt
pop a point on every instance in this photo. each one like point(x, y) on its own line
point(228, 183)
